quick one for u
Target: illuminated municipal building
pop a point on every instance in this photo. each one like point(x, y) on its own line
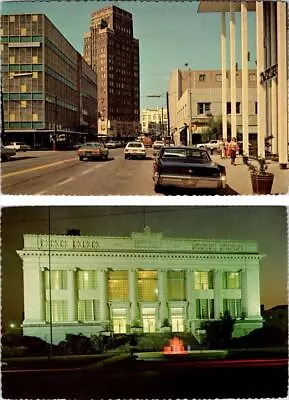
point(117, 283)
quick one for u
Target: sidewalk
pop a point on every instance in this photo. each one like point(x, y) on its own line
point(238, 177)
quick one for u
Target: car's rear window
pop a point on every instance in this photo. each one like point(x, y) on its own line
point(134, 145)
point(185, 154)
point(92, 145)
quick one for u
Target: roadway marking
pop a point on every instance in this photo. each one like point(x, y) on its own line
point(38, 168)
point(91, 169)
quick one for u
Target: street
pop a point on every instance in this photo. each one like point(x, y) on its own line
point(169, 379)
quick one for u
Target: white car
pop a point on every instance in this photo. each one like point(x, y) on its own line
point(135, 149)
point(211, 145)
point(158, 144)
point(18, 146)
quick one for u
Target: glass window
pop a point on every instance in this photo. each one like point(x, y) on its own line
point(87, 279)
point(12, 18)
point(205, 308)
point(58, 279)
point(229, 108)
point(88, 310)
point(233, 306)
point(118, 285)
point(231, 280)
point(34, 18)
point(200, 108)
point(59, 310)
point(176, 285)
point(11, 60)
point(23, 104)
point(238, 107)
point(23, 31)
point(147, 285)
point(203, 280)
point(202, 77)
point(34, 117)
point(23, 88)
point(219, 77)
point(149, 320)
point(177, 323)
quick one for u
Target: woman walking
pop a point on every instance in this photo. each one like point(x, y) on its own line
point(233, 148)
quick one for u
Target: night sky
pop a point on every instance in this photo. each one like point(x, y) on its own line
point(266, 225)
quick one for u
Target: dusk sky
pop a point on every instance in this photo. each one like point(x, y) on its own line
point(266, 225)
point(170, 34)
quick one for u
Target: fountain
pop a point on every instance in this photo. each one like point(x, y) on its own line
point(175, 346)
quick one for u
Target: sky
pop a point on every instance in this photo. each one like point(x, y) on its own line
point(170, 33)
point(267, 225)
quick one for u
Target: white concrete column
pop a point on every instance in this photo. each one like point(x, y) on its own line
point(132, 295)
point(245, 90)
point(189, 297)
point(72, 295)
point(193, 301)
point(252, 292)
point(274, 100)
point(244, 291)
point(103, 314)
point(224, 76)
point(218, 293)
point(34, 293)
point(162, 294)
point(282, 59)
point(261, 88)
point(233, 70)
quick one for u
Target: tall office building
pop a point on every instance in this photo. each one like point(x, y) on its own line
point(48, 88)
point(95, 283)
point(112, 51)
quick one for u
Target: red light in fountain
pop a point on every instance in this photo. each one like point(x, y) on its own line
point(175, 346)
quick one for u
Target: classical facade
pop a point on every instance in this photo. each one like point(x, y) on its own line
point(91, 284)
point(272, 69)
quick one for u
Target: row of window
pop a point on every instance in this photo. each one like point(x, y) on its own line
point(203, 108)
point(147, 282)
point(88, 310)
point(202, 77)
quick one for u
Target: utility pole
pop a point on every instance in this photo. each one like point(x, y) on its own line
point(2, 113)
point(189, 140)
point(162, 123)
point(168, 115)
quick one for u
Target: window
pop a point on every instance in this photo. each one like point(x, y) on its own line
point(12, 18)
point(35, 75)
point(202, 77)
point(256, 107)
point(203, 280)
point(34, 18)
point(233, 306)
point(88, 310)
point(87, 279)
point(119, 320)
point(229, 108)
point(34, 60)
point(231, 280)
point(219, 77)
point(176, 285)
point(177, 319)
point(149, 320)
point(238, 107)
point(147, 285)
point(118, 285)
point(204, 107)
point(23, 32)
point(58, 279)
point(59, 310)
point(23, 104)
point(12, 117)
point(205, 308)
point(252, 77)
point(23, 88)
point(11, 60)
point(35, 117)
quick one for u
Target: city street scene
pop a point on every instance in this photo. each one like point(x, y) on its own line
point(144, 302)
point(144, 98)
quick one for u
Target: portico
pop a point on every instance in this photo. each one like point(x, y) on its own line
point(99, 283)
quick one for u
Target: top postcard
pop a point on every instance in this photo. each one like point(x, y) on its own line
point(144, 98)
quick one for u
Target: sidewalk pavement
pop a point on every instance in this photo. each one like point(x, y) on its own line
point(239, 180)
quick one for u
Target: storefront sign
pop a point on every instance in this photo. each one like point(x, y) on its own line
point(269, 73)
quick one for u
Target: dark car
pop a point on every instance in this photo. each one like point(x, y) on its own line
point(187, 168)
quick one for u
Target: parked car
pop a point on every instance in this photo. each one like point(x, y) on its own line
point(158, 144)
point(187, 167)
point(18, 146)
point(111, 145)
point(211, 145)
point(93, 150)
point(135, 149)
point(6, 153)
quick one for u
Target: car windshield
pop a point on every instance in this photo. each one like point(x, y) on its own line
point(134, 145)
point(92, 144)
point(184, 154)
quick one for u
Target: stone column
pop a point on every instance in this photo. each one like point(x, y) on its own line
point(224, 76)
point(282, 59)
point(189, 297)
point(233, 70)
point(245, 96)
point(252, 291)
point(134, 315)
point(72, 296)
point(218, 293)
point(274, 119)
point(103, 315)
point(34, 298)
point(261, 89)
point(244, 291)
point(162, 294)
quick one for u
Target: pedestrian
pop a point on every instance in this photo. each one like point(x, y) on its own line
point(233, 148)
point(222, 148)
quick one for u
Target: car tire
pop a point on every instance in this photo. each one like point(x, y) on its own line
point(158, 188)
point(81, 158)
point(125, 157)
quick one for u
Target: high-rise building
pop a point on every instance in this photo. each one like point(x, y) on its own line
point(155, 121)
point(49, 91)
point(112, 51)
point(96, 283)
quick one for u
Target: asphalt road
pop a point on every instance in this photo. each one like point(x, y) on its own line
point(128, 379)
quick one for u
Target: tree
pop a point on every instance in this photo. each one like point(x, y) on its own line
point(215, 128)
point(219, 333)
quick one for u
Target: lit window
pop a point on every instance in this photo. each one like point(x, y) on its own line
point(203, 280)
point(23, 88)
point(23, 103)
point(12, 117)
point(149, 320)
point(34, 117)
point(233, 306)
point(12, 60)
point(177, 319)
point(118, 285)
point(147, 285)
point(205, 308)
point(87, 279)
point(119, 320)
point(231, 280)
point(1, 31)
point(34, 18)
point(59, 310)
point(176, 285)
point(34, 60)
point(35, 75)
point(58, 279)
point(12, 18)
point(88, 310)
point(23, 32)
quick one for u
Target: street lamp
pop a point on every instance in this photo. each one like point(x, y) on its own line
point(168, 109)
point(189, 140)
